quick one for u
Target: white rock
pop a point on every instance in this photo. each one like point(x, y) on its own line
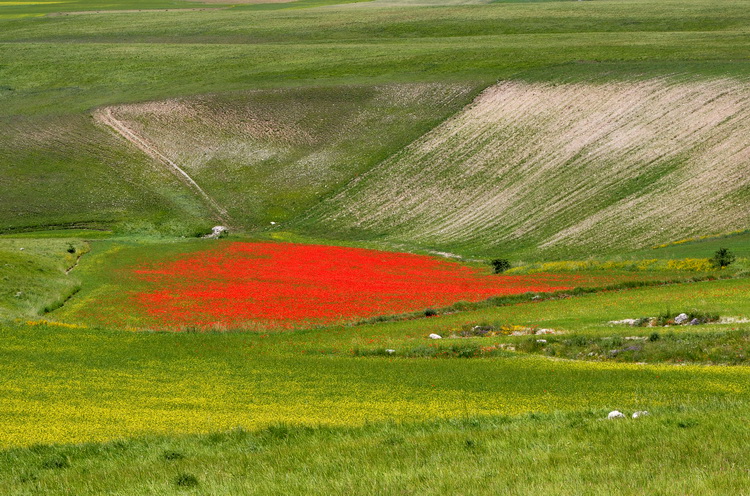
point(615, 414)
point(435, 336)
point(22, 249)
point(273, 223)
point(640, 413)
point(681, 319)
point(542, 341)
point(390, 352)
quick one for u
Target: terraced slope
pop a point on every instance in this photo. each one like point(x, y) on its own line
point(566, 169)
point(266, 155)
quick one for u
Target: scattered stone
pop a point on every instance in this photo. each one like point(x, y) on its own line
point(636, 338)
point(480, 330)
point(19, 294)
point(630, 322)
point(435, 336)
point(217, 232)
point(536, 297)
point(273, 223)
point(681, 319)
point(615, 414)
point(22, 249)
point(640, 413)
point(694, 322)
point(541, 341)
point(546, 331)
point(734, 320)
point(390, 352)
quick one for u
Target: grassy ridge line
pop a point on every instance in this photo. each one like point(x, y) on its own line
point(92, 75)
point(484, 455)
point(242, 24)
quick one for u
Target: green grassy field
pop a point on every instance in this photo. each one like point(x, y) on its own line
point(608, 141)
point(137, 385)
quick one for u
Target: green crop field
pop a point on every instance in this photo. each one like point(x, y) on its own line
point(375, 152)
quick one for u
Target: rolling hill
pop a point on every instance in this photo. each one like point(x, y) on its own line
point(563, 169)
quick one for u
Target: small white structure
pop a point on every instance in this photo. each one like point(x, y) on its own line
point(217, 232)
point(615, 414)
point(435, 336)
point(640, 413)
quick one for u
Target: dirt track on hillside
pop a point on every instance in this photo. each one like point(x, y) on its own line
point(106, 117)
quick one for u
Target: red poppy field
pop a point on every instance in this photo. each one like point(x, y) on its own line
point(285, 285)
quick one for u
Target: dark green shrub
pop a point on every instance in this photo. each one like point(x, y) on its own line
point(722, 258)
point(500, 265)
point(186, 480)
point(430, 312)
point(654, 337)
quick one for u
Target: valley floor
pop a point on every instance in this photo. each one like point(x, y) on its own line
point(306, 411)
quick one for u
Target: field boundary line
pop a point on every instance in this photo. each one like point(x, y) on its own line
point(105, 117)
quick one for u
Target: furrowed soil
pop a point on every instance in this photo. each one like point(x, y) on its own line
point(561, 168)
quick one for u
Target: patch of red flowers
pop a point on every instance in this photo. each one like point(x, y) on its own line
point(288, 285)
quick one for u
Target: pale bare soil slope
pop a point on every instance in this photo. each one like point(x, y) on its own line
point(573, 168)
point(267, 155)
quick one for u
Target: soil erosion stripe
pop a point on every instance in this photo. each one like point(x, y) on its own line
point(105, 117)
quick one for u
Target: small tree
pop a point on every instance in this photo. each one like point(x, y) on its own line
point(500, 265)
point(722, 258)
